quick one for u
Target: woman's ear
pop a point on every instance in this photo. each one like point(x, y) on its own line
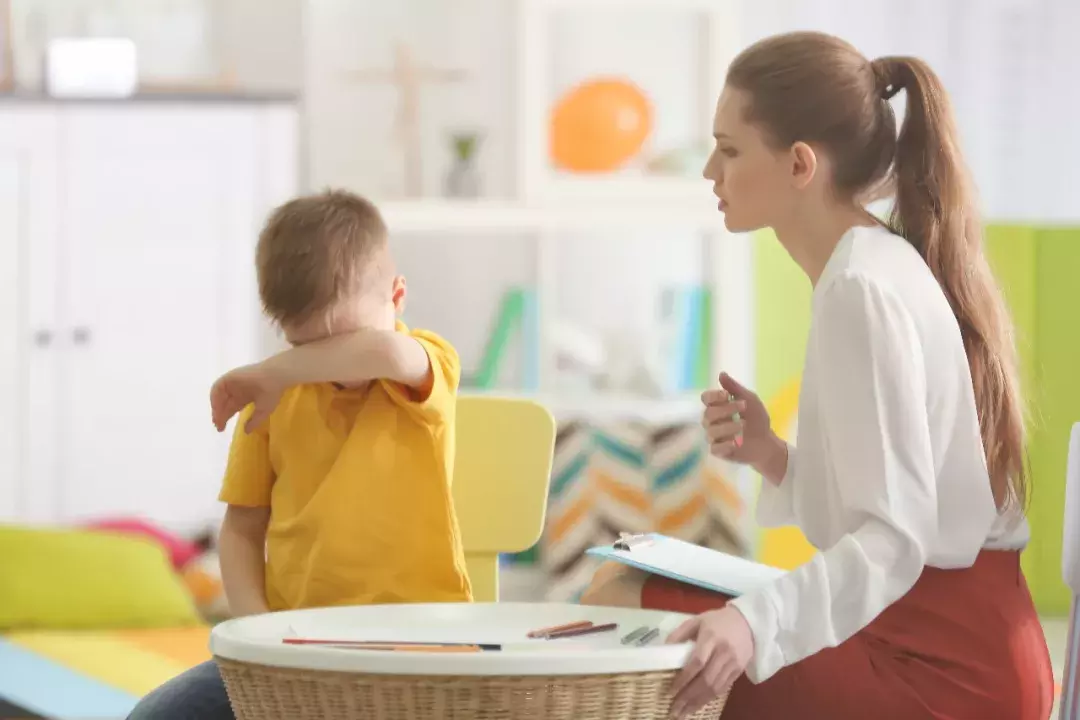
point(804, 165)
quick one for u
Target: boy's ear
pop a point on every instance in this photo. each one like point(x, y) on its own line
point(398, 293)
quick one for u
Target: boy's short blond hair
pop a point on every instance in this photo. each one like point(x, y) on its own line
point(315, 251)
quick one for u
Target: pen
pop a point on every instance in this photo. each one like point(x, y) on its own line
point(635, 635)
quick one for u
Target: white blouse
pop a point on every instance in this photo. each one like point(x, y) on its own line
point(889, 475)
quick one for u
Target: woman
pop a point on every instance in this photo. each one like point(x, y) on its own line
point(909, 474)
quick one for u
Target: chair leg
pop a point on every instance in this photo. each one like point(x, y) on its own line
point(484, 574)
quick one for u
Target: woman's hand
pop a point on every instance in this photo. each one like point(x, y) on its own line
point(739, 429)
point(723, 647)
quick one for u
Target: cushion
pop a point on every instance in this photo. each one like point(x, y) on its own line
point(181, 550)
point(84, 579)
point(203, 579)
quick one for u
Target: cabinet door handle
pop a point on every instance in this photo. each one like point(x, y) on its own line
point(81, 336)
point(43, 338)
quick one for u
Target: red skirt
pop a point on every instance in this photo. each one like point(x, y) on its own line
point(960, 645)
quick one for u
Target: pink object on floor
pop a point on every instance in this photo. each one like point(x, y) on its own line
point(181, 550)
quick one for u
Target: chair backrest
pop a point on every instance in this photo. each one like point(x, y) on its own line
point(1070, 570)
point(501, 476)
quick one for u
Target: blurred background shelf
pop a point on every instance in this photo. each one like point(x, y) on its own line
point(623, 5)
point(439, 216)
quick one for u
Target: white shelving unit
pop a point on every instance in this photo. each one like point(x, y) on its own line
point(548, 203)
point(432, 216)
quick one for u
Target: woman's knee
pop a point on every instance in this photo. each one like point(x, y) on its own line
point(659, 593)
point(615, 585)
point(198, 693)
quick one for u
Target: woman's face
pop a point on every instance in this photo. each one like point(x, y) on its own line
point(751, 179)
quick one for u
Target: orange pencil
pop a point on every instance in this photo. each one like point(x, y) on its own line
point(415, 648)
point(385, 646)
point(390, 647)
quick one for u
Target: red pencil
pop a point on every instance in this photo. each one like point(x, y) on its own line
point(582, 631)
point(545, 632)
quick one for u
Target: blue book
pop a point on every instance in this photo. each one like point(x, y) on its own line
point(692, 564)
point(691, 336)
point(530, 342)
point(677, 319)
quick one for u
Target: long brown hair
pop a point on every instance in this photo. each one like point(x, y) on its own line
point(818, 89)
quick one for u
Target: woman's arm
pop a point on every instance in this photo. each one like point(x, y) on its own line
point(872, 389)
point(778, 464)
point(776, 503)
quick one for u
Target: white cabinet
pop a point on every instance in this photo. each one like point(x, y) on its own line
point(132, 287)
point(28, 223)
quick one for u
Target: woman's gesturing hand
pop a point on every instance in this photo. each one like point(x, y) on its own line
point(739, 429)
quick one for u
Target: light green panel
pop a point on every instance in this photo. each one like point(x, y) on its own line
point(782, 309)
point(1057, 369)
point(1012, 252)
point(1038, 271)
point(782, 306)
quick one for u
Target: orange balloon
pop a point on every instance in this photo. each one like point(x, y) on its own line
point(599, 125)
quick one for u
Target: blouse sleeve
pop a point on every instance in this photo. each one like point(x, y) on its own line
point(872, 389)
point(776, 503)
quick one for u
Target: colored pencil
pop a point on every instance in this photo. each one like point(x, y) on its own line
point(583, 631)
point(545, 632)
point(413, 648)
point(402, 645)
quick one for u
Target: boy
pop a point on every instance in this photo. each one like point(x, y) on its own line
point(338, 480)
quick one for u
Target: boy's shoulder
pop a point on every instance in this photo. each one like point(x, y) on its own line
point(429, 338)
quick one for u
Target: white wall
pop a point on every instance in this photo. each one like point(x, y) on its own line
point(258, 41)
point(350, 124)
point(261, 42)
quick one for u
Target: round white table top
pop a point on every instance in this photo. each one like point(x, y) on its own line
point(260, 639)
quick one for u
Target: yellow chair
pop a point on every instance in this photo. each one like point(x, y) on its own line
point(501, 476)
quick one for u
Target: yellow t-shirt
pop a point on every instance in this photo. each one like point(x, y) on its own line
point(358, 484)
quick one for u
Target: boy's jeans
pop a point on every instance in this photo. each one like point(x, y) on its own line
point(198, 694)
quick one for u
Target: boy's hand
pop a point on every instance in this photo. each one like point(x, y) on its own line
point(241, 387)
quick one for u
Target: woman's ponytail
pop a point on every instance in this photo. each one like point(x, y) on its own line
point(935, 211)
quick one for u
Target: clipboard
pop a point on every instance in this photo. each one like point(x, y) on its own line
point(692, 564)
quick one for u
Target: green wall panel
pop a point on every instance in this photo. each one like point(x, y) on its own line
point(1055, 408)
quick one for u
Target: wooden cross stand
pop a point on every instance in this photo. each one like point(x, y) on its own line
point(408, 76)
